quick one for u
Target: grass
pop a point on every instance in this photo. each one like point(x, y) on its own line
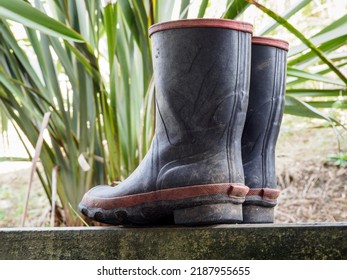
point(339, 160)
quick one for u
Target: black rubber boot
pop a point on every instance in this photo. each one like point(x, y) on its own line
point(193, 171)
point(264, 116)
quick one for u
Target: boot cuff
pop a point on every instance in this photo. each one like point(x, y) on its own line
point(268, 41)
point(205, 22)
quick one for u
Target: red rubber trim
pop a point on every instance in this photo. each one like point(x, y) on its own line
point(212, 22)
point(265, 193)
point(231, 190)
point(267, 41)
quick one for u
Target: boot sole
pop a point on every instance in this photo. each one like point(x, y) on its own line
point(256, 214)
point(191, 205)
point(259, 206)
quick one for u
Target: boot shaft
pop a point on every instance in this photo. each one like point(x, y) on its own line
point(202, 80)
point(265, 111)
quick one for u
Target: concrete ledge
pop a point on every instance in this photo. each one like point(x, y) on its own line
point(291, 241)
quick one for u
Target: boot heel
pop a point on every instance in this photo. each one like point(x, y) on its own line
point(256, 214)
point(223, 213)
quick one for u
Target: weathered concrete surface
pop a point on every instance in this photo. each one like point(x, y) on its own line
point(301, 241)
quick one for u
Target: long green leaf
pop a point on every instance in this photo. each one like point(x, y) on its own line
point(202, 8)
point(317, 92)
point(340, 104)
point(235, 8)
point(163, 10)
point(184, 8)
point(296, 8)
point(13, 159)
point(21, 56)
point(297, 107)
point(25, 14)
point(310, 76)
point(4, 121)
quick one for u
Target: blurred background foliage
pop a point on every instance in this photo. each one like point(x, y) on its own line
point(76, 79)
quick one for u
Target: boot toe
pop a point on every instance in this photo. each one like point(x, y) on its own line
point(102, 191)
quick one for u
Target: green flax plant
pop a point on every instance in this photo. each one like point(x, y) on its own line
point(82, 71)
point(88, 68)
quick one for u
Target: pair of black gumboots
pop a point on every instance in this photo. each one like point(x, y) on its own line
point(219, 105)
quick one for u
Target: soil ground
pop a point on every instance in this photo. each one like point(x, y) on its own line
point(311, 189)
